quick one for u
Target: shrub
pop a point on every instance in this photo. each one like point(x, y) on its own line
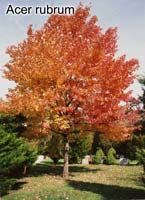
point(15, 153)
point(133, 162)
point(111, 160)
point(99, 156)
point(6, 184)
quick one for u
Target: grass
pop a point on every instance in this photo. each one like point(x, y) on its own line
point(93, 182)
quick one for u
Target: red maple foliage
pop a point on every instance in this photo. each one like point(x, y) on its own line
point(67, 75)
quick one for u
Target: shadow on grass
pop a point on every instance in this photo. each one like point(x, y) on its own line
point(136, 179)
point(40, 169)
point(82, 169)
point(4, 188)
point(109, 192)
point(18, 185)
point(46, 168)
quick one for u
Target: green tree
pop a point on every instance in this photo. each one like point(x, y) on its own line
point(142, 110)
point(131, 148)
point(14, 153)
point(15, 156)
point(13, 123)
point(52, 146)
point(100, 141)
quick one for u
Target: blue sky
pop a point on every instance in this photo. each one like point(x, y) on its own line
point(127, 15)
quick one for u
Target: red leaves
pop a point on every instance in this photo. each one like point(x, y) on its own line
point(67, 72)
point(109, 42)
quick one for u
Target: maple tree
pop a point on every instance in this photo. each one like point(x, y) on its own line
point(67, 75)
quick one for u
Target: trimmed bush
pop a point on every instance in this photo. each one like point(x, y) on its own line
point(111, 160)
point(99, 156)
point(133, 162)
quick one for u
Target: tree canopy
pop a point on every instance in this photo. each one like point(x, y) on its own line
point(67, 73)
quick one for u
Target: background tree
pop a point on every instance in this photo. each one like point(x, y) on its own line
point(100, 141)
point(80, 146)
point(140, 154)
point(140, 134)
point(130, 148)
point(142, 110)
point(67, 76)
point(53, 147)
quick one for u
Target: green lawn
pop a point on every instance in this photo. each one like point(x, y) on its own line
point(93, 182)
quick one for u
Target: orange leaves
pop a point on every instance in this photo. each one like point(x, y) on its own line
point(67, 72)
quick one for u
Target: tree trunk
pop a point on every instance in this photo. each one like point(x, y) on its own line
point(24, 169)
point(66, 151)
